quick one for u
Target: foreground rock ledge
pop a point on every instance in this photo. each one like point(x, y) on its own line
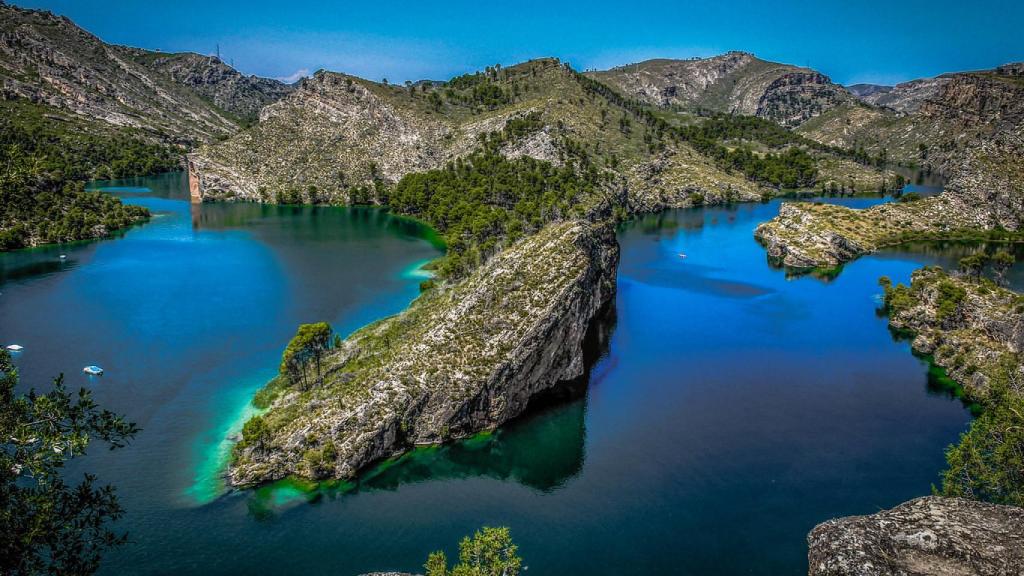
point(460, 360)
point(924, 537)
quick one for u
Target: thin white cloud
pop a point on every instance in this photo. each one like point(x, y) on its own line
point(294, 76)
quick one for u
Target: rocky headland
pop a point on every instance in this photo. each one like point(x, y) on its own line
point(984, 195)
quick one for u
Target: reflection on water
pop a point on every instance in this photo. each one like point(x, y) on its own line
point(735, 408)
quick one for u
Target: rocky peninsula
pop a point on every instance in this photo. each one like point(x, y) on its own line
point(984, 199)
point(462, 359)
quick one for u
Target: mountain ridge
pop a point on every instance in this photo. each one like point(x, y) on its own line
point(183, 98)
point(735, 83)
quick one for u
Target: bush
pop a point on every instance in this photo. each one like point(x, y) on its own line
point(988, 463)
point(950, 297)
point(489, 553)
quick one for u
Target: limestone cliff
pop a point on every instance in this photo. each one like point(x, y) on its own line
point(929, 536)
point(461, 359)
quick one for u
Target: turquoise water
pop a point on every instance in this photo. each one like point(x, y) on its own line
point(733, 407)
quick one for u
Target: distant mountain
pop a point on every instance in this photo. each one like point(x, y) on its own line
point(903, 97)
point(929, 122)
point(865, 90)
point(181, 97)
point(735, 82)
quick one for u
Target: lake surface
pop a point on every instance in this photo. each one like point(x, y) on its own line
point(733, 409)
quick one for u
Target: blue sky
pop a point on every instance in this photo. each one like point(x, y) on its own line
point(864, 41)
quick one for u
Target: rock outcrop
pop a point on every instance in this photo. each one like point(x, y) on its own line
point(735, 83)
point(460, 360)
point(973, 329)
point(928, 536)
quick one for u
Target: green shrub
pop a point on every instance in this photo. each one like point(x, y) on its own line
point(490, 552)
point(950, 297)
point(988, 463)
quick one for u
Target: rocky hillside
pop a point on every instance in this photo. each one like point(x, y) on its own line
point(927, 536)
point(337, 133)
point(930, 122)
point(734, 83)
point(216, 82)
point(48, 59)
point(461, 359)
point(904, 97)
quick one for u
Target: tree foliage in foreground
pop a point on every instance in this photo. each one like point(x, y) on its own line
point(988, 463)
point(490, 552)
point(46, 525)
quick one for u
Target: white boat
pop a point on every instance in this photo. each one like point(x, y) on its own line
point(63, 256)
point(94, 370)
point(15, 348)
point(682, 255)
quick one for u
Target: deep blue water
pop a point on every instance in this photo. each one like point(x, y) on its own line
point(734, 407)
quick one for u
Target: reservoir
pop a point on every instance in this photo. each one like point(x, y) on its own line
point(732, 409)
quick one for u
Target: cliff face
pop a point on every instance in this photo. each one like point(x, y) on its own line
point(47, 58)
point(929, 536)
point(460, 360)
point(736, 82)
